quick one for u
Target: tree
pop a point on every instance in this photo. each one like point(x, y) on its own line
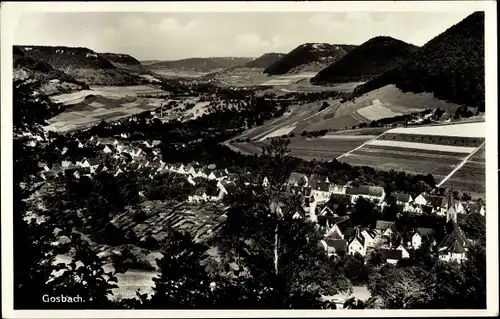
point(474, 227)
point(400, 288)
point(85, 276)
point(183, 282)
point(281, 253)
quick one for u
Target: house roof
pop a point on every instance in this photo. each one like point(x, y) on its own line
point(404, 198)
point(206, 170)
point(106, 140)
point(454, 233)
point(218, 173)
point(318, 178)
point(94, 161)
point(345, 224)
point(370, 232)
point(423, 231)
point(326, 211)
point(383, 224)
point(436, 201)
point(336, 186)
point(322, 187)
point(359, 238)
point(391, 253)
point(156, 142)
point(295, 177)
point(337, 244)
point(57, 168)
point(230, 187)
point(366, 190)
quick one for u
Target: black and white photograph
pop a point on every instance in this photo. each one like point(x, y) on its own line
point(313, 159)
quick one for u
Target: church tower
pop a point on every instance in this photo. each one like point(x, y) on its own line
point(451, 213)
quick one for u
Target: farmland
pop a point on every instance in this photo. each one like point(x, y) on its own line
point(415, 150)
point(471, 177)
point(88, 107)
point(309, 148)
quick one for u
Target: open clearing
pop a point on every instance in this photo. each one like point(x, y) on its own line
point(376, 111)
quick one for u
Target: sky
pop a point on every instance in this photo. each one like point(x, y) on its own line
point(178, 35)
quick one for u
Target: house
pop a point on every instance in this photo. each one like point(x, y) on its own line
point(66, 164)
point(107, 141)
point(454, 245)
point(370, 237)
point(297, 179)
point(418, 236)
point(384, 228)
point(371, 193)
point(315, 179)
point(156, 151)
point(438, 204)
point(391, 256)
point(340, 229)
point(227, 187)
point(31, 143)
point(337, 189)
point(56, 169)
point(422, 199)
point(321, 191)
point(299, 214)
point(476, 208)
point(357, 245)
point(107, 149)
point(118, 171)
point(404, 200)
point(326, 211)
point(190, 169)
point(334, 246)
point(265, 181)
point(216, 175)
point(92, 163)
point(204, 195)
point(404, 251)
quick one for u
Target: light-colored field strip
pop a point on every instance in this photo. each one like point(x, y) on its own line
point(460, 165)
point(376, 112)
point(423, 146)
point(280, 132)
point(477, 129)
point(348, 137)
point(357, 148)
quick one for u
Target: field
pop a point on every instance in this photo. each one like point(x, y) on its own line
point(415, 150)
point(376, 112)
point(471, 177)
point(179, 74)
point(319, 148)
point(288, 79)
point(89, 107)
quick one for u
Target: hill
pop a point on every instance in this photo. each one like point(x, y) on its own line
point(451, 66)
point(319, 55)
point(51, 80)
point(200, 64)
point(82, 64)
point(366, 61)
point(126, 62)
point(265, 60)
point(118, 58)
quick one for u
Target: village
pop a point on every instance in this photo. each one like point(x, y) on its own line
point(324, 203)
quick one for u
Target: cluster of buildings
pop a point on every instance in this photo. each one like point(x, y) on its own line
point(342, 236)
